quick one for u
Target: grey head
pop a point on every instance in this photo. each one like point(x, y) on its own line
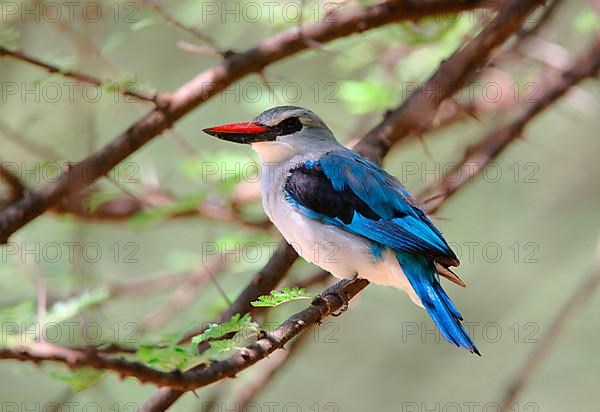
point(286, 130)
point(290, 116)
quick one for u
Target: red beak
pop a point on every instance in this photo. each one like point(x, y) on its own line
point(245, 132)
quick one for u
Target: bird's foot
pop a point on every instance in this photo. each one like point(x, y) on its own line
point(338, 291)
point(342, 296)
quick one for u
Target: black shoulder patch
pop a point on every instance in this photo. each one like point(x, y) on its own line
point(311, 188)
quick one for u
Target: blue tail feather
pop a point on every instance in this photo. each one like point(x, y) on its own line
point(422, 276)
point(446, 299)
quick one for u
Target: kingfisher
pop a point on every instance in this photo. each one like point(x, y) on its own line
point(324, 197)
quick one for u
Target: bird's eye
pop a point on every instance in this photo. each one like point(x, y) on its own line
point(291, 125)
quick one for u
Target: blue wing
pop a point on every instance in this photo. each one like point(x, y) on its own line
point(346, 190)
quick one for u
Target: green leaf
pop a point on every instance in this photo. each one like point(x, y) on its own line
point(62, 311)
point(165, 359)
point(219, 347)
point(79, 379)
point(277, 298)
point(236, 324)
point(166, 354)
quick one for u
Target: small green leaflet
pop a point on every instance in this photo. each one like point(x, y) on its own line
point(64, 310)
point(276, 298)
point(236, 324)
point(79, 379)
point(221, 346)
point(166, 354)
point(164, 359)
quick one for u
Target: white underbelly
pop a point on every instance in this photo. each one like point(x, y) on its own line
point(341, 253)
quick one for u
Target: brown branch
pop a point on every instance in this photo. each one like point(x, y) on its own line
point(374, 145)
point(586, 66)
point(16, 188)
point(262, 283)
point(80, 77)
point(46, 352)
point(480, 155)
point(206, 85)
point(316, 312)
point(417, 113)
point(105, 349)
point(200, 375)
point(126, 207)
point(577, 300)
point(161, 400)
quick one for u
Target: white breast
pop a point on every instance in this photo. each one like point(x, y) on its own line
point(341, 253)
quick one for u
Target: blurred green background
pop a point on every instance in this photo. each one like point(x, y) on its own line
point(540, 213)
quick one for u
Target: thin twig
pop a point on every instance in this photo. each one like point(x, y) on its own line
point(489, 148)
point(78, 76)
point(201, 375)
point(375, 145)
point(155, 5)
point(123, 208)
point(480, 155)
point(418, 111)
point(206, 85)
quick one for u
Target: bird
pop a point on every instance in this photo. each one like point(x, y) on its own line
point(324, 197)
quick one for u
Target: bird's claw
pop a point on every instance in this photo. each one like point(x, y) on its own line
point(340, 294)
point(344, 306)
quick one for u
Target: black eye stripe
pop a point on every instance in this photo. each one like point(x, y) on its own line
point(289, 126)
